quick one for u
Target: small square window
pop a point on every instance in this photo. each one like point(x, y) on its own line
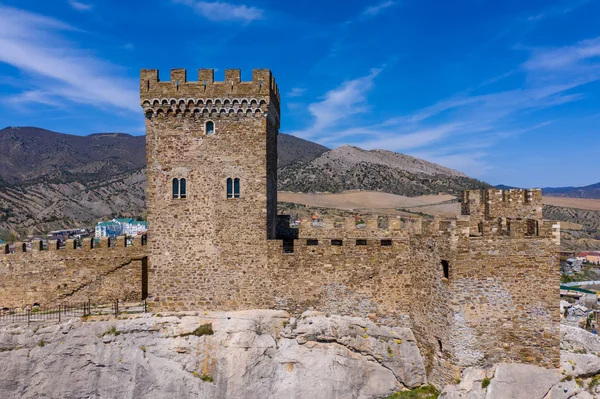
point(337, 243)
point(312, 242)
point(361, 242)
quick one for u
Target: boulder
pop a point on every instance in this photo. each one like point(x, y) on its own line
point(579, 365)
point(521, 381)
point(574, 339)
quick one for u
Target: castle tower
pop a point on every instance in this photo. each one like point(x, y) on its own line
point(211, 158)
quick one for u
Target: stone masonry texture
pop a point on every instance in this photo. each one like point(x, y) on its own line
point(477, 289)
point(99, 273)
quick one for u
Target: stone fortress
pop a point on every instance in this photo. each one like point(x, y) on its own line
point(483, 287)
point(477, 289)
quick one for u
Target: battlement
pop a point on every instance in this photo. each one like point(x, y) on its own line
point(262, 85)
point(375, 227)
point(368, 226)
point(495, 203)
point(209, 98)
point(87, 244)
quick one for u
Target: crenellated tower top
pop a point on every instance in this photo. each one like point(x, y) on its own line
point(209, 97)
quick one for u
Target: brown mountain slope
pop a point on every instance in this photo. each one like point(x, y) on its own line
point(29, 154)
point(51, 180)
point(352, 168)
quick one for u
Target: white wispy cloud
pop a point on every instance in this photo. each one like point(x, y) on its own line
point(557, 10)
point(376, 9)
point(568, 57)
point(340, 103)
point(460, 130)
point(79, 6)
point(56, 70)
point(222, 11)
point(296, 92)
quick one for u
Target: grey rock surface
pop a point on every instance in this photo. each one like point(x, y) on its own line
point(574, 339)
point(522, 381)
point(579, 365)
point(252, 354)
point(470, 386)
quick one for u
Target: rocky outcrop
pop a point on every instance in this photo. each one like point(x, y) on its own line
point(574, 339)
point(249, 354)
point(578, 377)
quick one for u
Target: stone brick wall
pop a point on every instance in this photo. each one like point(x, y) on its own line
point(70, 274)
point(494, 203)
point(203, 249)
point(479, 288)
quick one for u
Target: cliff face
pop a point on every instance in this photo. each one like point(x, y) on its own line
point(250, 354)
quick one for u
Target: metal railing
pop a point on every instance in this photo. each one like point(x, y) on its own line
point(68, 311)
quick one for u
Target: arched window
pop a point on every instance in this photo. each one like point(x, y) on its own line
point(175, 188)
point(210, 127)
point(229, 188)
point(236, 188)
point(182, 188)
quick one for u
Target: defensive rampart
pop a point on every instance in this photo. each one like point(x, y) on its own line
point(102, 272)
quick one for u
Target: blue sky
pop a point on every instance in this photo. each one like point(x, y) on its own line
point(505, 91)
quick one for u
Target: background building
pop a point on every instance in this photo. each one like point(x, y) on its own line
point(120, 227)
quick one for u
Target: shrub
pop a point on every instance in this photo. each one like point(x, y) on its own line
point(485, 383)
point(204, 329)
point(111, 331)
point(424, 392)
point(42, 343)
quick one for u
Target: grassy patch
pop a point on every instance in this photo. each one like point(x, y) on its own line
point(204, 329)
point(203, 377)
point(424, 392)
point(594, 382)
point(42, 343)
point(485, 383)
point(112, 331)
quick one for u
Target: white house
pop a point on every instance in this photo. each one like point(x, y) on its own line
point(120, 227)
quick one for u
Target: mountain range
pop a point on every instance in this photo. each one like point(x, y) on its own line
point(592, 191)
point(51, 180)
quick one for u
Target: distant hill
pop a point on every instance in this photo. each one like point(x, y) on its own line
point(591, 191)
point(50, 180)
point(292, 149)
point(30, 153)
point(352, 168)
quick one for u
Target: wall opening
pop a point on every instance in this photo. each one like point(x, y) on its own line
point(311, 242)
point(386, 243)
point(236, 188)
point(182, 188)
point(210, 127)
point(288, 246)
point(144, 277)
point(229, 187)
point(446, 268)
point(337, 243)
point(175, 188)
point(361, 242)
